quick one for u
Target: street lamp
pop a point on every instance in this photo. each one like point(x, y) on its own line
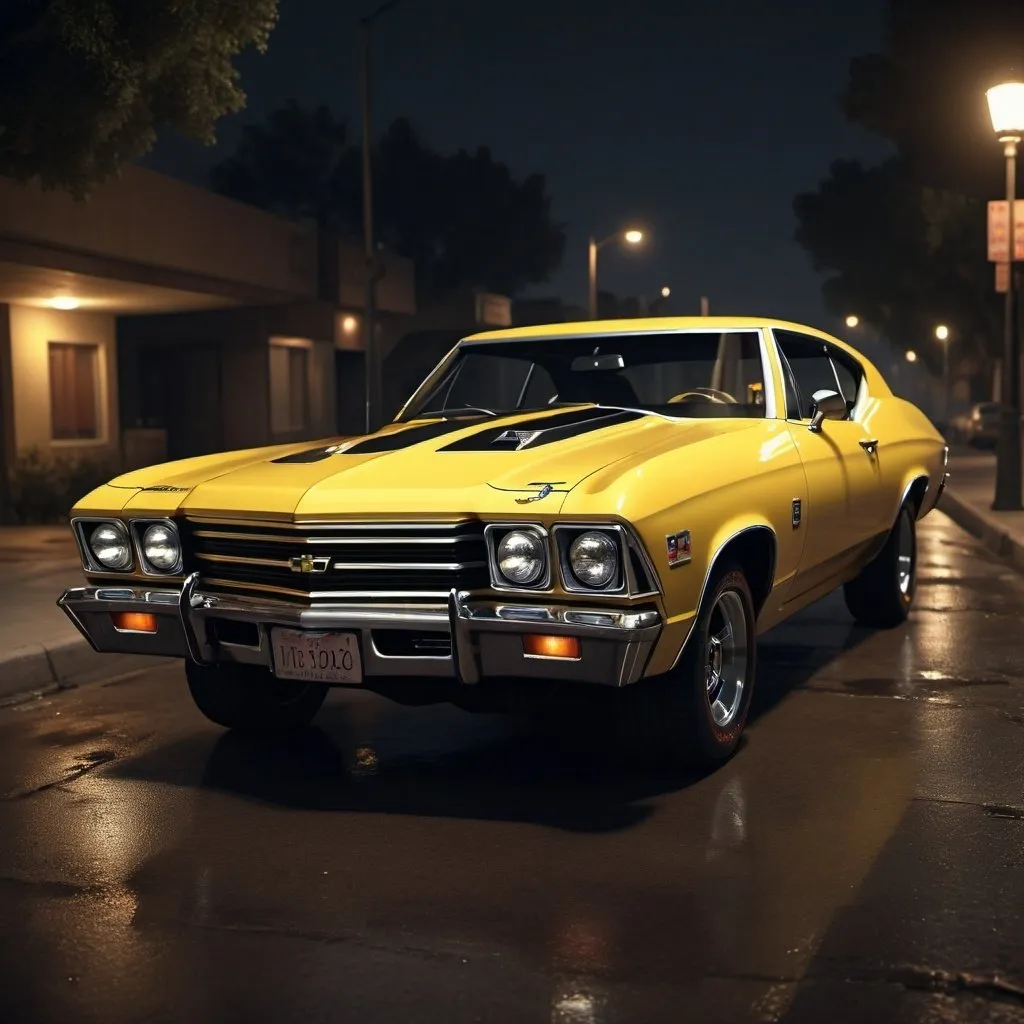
point(852, 321)
point(666, 292)
point(1006, 108)
point(372, 268)
point(942, 334)
point(630, 237)
point(911, 356)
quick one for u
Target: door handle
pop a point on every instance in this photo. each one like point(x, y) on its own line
point(869, 444)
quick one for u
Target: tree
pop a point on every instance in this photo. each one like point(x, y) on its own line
point(463, 219)
point(85, 84)
point(904, 242)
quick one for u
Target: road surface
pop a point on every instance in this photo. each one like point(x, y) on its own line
point(860, 859)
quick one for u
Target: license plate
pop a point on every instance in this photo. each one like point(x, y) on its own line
point(316, 657)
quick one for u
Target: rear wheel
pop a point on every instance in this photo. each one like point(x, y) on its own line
point(698, 711)
point(881, 595)
point(249, 698)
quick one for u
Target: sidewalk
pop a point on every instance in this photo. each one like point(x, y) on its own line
point(40, 650)
point(967, 500)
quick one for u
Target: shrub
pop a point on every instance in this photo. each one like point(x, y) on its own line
point(44, 485)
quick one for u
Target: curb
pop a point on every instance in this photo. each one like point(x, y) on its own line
point(28, 672)
point(994, 537)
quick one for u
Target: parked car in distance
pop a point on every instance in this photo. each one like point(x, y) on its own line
point(981, 428)
point(603, 506)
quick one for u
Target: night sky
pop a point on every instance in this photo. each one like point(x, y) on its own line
point(700, 121)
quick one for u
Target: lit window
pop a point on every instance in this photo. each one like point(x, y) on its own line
point(289, 388)
point(74, 391)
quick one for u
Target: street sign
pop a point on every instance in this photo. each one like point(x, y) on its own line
point(999, 229)
point(1002, 278)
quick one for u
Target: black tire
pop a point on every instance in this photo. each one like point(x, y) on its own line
point(881, 595)
point(680, 716)
point(248, 698)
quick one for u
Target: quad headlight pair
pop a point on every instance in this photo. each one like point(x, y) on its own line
point(109, 544)
point(591, 558)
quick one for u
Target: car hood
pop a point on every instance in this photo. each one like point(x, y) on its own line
point(457, 465)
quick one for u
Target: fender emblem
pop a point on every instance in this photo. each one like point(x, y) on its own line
point(310, 563)
point(678, 548)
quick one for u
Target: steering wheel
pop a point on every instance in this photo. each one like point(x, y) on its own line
point(708, 394)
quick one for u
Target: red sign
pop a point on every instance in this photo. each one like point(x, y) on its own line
point(1002, 278)
point(999, 230)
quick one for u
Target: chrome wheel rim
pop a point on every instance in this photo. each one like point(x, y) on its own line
point(905, 555)
point(726, 658)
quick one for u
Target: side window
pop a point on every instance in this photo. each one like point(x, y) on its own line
point(848, 373)
point(810, 367)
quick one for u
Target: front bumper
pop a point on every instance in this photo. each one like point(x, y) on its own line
point(484, 636)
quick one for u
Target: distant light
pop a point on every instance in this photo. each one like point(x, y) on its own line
point(942, 332)
point(911, 356)
point(666, 292)
point(64, 302)
point(1006, 108)
point(634, 237)
point(349, 324)
point(852, 321)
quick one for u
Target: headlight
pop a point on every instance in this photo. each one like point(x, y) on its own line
point(110, 546)
point(161, 546)
point(521, 557)
point(594, 559)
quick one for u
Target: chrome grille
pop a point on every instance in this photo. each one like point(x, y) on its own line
point(363, 560)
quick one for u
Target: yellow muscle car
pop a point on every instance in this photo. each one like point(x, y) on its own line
point(620, 504)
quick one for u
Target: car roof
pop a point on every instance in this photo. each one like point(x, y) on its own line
point(625, 327)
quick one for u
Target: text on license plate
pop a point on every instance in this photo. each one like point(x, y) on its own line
point(316, 657)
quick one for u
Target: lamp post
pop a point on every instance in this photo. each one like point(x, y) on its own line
point(942, 335)
point(1006, 108)
point(630, 237)
point(372, 269)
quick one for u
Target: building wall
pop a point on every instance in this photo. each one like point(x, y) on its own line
point(31, 331)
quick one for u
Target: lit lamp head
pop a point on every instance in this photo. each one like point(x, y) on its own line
point(666, 292)
point(633, 237)
point(911, 356)
point(942, 332)
point(852, 321)
point(1006, 108)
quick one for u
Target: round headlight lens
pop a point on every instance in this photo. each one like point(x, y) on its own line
point(521, 557)
point(161, 547)
point(594, 559)
point(110, 547)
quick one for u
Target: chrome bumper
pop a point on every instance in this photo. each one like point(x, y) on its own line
point(485, 636)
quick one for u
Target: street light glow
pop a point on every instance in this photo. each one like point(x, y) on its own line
point(942, 332)
point(852, 321)
point(1006, 108)
point(64, 302)
point(666, 292)
point(634, 237)
point(911, 356)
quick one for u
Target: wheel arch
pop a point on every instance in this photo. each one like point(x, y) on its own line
point(755, 549)
point(915, 489)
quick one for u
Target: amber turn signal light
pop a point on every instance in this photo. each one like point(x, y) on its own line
point(134, 622)
point(552, 647)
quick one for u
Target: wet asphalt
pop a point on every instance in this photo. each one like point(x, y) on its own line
point(860, 859)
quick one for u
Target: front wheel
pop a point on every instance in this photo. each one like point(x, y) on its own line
point(699, 710)
point(880, 596)
point(249, 698)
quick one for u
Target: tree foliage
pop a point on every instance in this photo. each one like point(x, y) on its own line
point(85, 84)
point(904, 243)
point(463, 218)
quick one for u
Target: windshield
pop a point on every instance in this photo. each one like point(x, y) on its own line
point(701, 374)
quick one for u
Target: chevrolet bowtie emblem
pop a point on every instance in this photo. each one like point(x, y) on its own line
point(542, 493)
point(310, 563)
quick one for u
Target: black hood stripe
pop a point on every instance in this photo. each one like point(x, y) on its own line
point(555, 426)
point(549, 430)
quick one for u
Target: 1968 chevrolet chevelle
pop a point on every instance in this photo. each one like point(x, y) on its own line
point(601, 505)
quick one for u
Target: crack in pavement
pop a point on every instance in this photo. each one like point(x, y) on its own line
point(85, 764)
point(924, 979)
point(993, 810)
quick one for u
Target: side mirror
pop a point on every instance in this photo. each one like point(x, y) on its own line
point(826, 405)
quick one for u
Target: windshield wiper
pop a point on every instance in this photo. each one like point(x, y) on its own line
point(445, 413)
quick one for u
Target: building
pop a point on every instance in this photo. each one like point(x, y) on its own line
point(158, 320)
